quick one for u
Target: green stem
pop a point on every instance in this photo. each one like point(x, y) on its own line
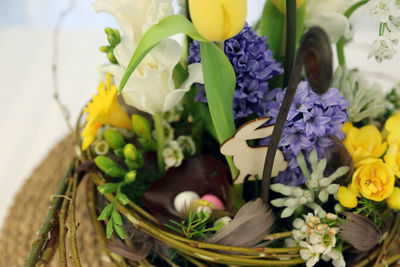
point(340, 43)
point(158, 124)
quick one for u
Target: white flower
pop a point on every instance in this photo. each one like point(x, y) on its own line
point(310, 253)
point(135, 17)
point(382, 49)
point(168, 132)
point(173, 155)
point(329, 15)
point(187, 144)
point(336, 256)
point(151, 87)
point(383, 9)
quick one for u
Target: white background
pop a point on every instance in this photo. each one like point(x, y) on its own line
point(30, 121)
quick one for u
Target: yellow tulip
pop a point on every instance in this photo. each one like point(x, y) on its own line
point(394, 200)
point(347, 198)
point(373, 179)
point(363, 143)
point(218, 20)
point(281, 4)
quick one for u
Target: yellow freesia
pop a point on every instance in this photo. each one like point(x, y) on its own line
point(104, 109)
point(392, 126)
point(394, 200)
point(373, 179)
point(218, 20)
point(281, 4)
point(347, 198)
point(363, 143)
point(392, 158)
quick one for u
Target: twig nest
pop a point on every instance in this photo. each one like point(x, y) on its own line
point(219, 205)
point(184, 200)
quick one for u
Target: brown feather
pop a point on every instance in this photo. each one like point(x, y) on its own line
point(360, 232)
point(249, 226)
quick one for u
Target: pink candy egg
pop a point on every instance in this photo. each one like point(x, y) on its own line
point(219, 205)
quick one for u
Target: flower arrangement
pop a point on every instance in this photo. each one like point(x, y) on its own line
point(220, 150)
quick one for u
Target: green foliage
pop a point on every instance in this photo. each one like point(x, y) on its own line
point(195, 227)
point(371, 209)
point(113, 38)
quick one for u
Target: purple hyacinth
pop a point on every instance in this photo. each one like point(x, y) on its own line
point(311, 119)
point(254, 65)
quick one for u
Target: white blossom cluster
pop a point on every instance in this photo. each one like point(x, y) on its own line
point(387, 12)
point(318, 240)
point(175, 150)
point(317, 187)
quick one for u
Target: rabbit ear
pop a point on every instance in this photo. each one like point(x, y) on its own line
point(230, 147)
point(249, 130)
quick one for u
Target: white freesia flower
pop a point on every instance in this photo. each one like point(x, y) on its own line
point(329, 15)
point(135, 17)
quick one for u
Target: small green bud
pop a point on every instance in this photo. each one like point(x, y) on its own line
point(114, 138)
point(111, 58)
point(108, 30)
point(112, 40)
point(107, 188)
point(141, 126)
point(148, 144)
point(122, 198)
point(137, 164)
point(109, 167)
point(130, 177)
point(117, 35)
point(130, 152)
point(104, 49)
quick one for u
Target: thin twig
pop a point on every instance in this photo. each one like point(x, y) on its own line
point(73, 224)
point(50, 222)
point(51, 248)
point(64, 110)
point(62, 228)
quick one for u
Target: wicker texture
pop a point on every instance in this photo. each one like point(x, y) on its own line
point(30, 207)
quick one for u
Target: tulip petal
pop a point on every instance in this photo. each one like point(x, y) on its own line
point(235, 12)
point(208, 18)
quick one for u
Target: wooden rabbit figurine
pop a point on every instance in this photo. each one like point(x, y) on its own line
point(250, 160)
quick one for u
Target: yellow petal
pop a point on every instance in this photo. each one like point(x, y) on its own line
point(347, 198)
point(393, 201)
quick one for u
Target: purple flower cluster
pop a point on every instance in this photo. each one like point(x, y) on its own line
point(254, 65)
point(311, 119)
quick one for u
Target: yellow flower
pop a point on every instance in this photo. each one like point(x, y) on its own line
point(347, 198)
point(218, 20)
point(281, 4)
point(365, 142)
point(104, 109)
point(394, 200)
point(373, 179)
point(392, 158)
point(392, 126)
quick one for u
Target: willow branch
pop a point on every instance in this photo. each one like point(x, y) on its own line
point(62, 228)
point(72, 222)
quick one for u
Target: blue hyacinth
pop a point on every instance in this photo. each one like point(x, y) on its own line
point(311, 119)
point(254, 65)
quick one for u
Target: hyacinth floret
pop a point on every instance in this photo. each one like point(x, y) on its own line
point(311, 120)
point(254, 65)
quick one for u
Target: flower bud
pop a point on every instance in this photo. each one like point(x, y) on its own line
point(141, 126)
point(130, 177)
point(218, 20)
point(130, 152)
point(394, 200)
point(103, 49)
point(114, 139)
point(331, 216)
point(347, 198)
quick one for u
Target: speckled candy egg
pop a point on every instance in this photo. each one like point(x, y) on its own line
point(184, 199)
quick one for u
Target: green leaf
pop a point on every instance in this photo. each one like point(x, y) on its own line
point(109, 228)
point(107, 188)
point(167, 27)
point(122, 198)
point(106, 213)
point(119, 231)
point(271, 26)
point(220, 82)
point(116, 217)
